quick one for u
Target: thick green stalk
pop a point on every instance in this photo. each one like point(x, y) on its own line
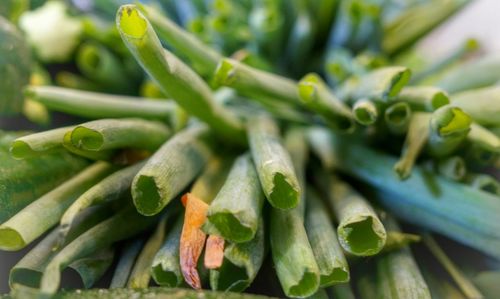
point(272, 161)
point(398, 275)
point(105, 155)
point(333, 267)
point(416, 138)
point(237, 208)
point(166, 269)
point(123, 225)
point(141, 272)
point(483, 105)
point(481, 72)
point(365, 112)
point(453, 168)
point(381, 84)
point(255, 83)
point(455, 210)
point(460, 279)
point(113, 187)
point(184, 42)
point(28, 271)
point(42, 214)
point(360, 231)
point(107, 134)
point(24, 181)
point(449, 127)
point(292, 254)
point(416, 22)
point(484, 182)
point(131, 250)
point(170, 169)
point(174, 77)
point(242, 262)
point(92, 267)
point(484, 139)
point(424, 98)
point(316, 96)
point(38, 143)
point(99, 105)
point(398, 117)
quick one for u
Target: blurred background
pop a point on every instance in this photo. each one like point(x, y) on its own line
point(479, 20)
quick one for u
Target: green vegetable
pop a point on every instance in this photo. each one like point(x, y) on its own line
point(333, 267)
point(106, 134)
point(398, 275)
point(131, 250)
point(141, 272)
point(38, 143)
point(453, 168)
point(397, 240)
point(315, 95)
point(170, 170)
point(98, 105)
point(398, 117)
point(365, 112)
point(424, 98)
point(237, 220)
point(166, 269)
point(105, 155)
point(242, 262)
point(485, 183)
point(460, 279)
point(174, 77)
point(273, 163)
point(113, 187)
point(342, 291)
point(381, 84)
point(483, 104)
point(449, 127)
point(416, 138)
point(360, 231)
point(39, 216)
point(484, 139)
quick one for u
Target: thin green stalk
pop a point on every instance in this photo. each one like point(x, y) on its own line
point(107, 134)
point(481, 72)
point(460, 279)
point(98, 105)
point(184, 42)
point(73, 81)
point(398, 275)
point(333, 267)
point(166, 269)
point(468, 47)
point(365, 112)
point(28, 271)
point(424, 98)
point(440, 287)
point(237, 208)
point(123, 225)
point(242, 262)
point(360, 231)
point(255, 83)
point(170, 169)
point(100, 64)
point(398, 117)
point(416, 22)
point(484, 182)
point(483, 104)
point(381, 84)
point(105, 155)
point(154, 292)
point(453, 168)
point(91, 268)
point(126, 262)
point(449, 127)
point(38, 143)
point(141, 272)
point(112, 187)
point(24, 181)
point(397, 240)
point(316, 96)
point(174, 77)
point(273, 164)
point(484, 139)
point(416, 138)
point(292, 254)
point(42, 214)
point(455, 210)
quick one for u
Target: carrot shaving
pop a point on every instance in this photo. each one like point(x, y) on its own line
point(214, 252)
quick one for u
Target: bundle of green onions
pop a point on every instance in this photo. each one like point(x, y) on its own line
point(296, 145)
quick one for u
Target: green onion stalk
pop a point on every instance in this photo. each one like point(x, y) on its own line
point(484, 182)
point(398, 117)
point(453, 168)
point(365, 111)
point(37, 144)
point(483, 105)
point(126, 261)
point(424, 98)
